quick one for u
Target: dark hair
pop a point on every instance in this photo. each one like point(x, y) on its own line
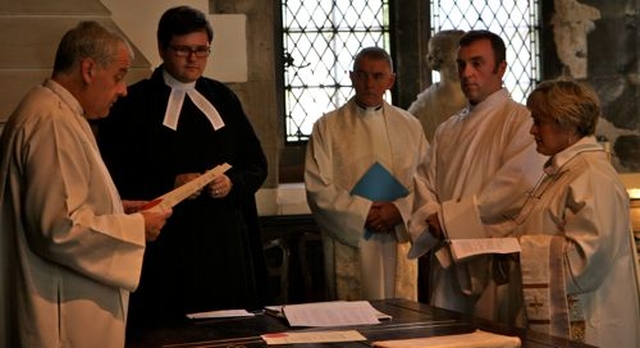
point(88, 39)
point(182, 20)
point(375, 53)
point(497, 44)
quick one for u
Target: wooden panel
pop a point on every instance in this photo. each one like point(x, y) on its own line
point(36, 45)
point(301, 236)
point(52, 7)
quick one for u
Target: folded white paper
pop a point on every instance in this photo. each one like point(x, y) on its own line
point(477, 339)
point(227, 313)
point(177, 195)
point(313, 337)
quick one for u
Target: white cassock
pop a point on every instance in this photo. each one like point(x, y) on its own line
point(481, 164)
point(68, 252)
point(581, 209)
point(344, 144)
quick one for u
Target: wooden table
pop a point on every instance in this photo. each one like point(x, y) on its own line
point(410, 320)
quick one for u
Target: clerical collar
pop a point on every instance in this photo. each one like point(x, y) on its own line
point(178, 92)
point(369, 108)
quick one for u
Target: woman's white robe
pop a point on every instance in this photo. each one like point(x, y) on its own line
point(582, 201)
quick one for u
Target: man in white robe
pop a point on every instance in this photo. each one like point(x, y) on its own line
point(481, 164)
point(365, 240)
point(68, 252)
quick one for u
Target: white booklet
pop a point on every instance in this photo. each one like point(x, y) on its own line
point(463, 248)
point(331, 313)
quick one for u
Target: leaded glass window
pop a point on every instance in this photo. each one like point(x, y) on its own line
point(320, 40)
point(515, 21)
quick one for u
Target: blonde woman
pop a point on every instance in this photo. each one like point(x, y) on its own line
point(577, 260)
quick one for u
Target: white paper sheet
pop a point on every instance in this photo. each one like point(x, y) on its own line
point(313, 337)
point(477, 339)
point(177, 195)
point(228, 313)
point(332, 313)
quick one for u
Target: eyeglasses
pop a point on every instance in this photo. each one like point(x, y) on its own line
point(185, 51)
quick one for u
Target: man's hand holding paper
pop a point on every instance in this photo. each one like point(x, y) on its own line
point(220, 187)
point(189, 188)
point(153, 220)
point(182, 179)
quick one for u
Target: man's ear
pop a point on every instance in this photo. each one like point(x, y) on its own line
point(161, 51)
point(501, 69)
point(87, 70)
point(392, 80)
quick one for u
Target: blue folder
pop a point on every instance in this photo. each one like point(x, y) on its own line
point(378, 184)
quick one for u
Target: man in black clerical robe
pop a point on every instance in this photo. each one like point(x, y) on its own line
point(209, 255)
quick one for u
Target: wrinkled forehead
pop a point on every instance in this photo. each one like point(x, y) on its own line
point(372, 65)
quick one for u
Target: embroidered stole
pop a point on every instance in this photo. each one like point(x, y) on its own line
point(548, 307)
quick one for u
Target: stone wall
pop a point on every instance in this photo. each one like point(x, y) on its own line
point(597, 42)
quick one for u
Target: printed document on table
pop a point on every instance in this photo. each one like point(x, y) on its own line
point(332, 313)
point(463, 248)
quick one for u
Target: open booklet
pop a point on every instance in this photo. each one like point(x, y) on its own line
point(177, 195)
point(464, 248)
point(331, 313)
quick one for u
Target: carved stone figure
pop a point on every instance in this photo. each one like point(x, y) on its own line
point(571, 23)
point(444, 98)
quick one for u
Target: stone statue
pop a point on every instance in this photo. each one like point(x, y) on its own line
point(445, 98)
point(571, 23)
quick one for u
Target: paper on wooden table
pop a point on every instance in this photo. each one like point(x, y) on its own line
point(477, 339)
point(313, 337)
point(226, 313)
point(332, 313)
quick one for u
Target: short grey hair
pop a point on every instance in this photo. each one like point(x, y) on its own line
point(375, 53)
point(88, 39)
